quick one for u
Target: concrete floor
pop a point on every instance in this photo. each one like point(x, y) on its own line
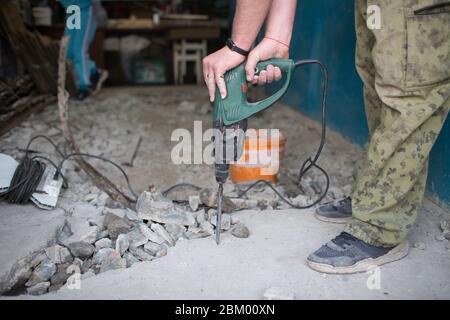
point(25, 230)
point(275, 252)
point(274, 255)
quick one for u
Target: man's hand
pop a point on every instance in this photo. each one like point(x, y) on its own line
point(214, 67)
point(265, 50)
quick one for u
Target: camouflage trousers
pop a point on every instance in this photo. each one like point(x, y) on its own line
point(405, 68)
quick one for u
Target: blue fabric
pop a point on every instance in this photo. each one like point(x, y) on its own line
point(80, 3)
point(79, 42)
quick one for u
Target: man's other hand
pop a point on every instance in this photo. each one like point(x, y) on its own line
point(214, 67)
point(265, 50)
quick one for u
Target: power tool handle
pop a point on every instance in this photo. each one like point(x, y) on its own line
point(287, 67)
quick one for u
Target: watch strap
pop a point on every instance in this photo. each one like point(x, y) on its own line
point(233, 47)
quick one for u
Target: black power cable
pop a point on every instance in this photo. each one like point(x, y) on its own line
point(310, 162)
point(105, 160)
point(25, 180)
point(29, 173)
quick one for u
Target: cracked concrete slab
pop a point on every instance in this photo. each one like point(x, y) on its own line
point(25, 230)
point(273, 256)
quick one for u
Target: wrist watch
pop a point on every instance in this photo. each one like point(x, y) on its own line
point(233, 47)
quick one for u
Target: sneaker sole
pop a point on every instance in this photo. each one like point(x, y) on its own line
point(395, 254)
point(103, 77)
point(332, 220)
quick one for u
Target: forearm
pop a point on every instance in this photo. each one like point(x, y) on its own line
point(248, 19)
point(281, 20)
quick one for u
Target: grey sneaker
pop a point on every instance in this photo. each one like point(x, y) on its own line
point(346, 254)
point(98, 79)
point(338, 211)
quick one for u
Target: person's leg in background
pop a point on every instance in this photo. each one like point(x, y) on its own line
point(411, 64)
point(92, 28)
point(79, 43)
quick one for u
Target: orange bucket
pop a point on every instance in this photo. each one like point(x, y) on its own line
point(262, 156)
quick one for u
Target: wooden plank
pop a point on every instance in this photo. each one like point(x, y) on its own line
point(194, 33)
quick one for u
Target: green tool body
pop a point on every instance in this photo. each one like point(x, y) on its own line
point(230, 119)
point(235, 107)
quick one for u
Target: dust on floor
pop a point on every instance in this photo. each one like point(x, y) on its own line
point(111, 123)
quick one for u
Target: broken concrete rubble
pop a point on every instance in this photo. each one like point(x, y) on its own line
point(58, 254)
point(141, 254)
point(39, 288)
point(81, 249)
point(103, 243)
point(150, 235)
point(207, 227)
point(122, 244)
point(240, 231)
point(208, 197)
point(112, 262)
point(121, 236)
point(194, 202)
point(176, 231)
point(102, 255)
point(61, 275)
point(81, 231)
point(225, 223)
point(160, 231)
point(163, 212)
point(117, 227)
point(42, 273)
point(136, 238)
point(152, 248)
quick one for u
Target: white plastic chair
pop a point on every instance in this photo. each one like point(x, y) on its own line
point(185, 51)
